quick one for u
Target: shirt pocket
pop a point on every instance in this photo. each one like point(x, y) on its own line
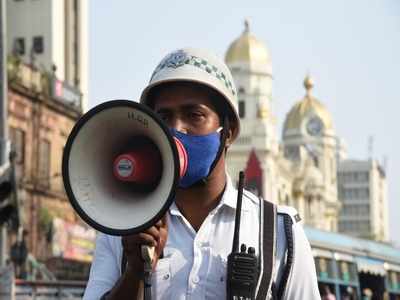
point(161, 280)
point(216, 278)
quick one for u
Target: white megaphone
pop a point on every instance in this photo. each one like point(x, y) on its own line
point(121, 167)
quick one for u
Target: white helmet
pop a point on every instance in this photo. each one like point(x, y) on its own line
point(199, 66)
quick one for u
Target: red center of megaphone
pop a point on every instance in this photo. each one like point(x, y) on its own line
point(143, 164)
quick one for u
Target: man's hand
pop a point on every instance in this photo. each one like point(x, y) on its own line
point(155, 236)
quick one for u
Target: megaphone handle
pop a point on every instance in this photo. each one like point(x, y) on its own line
point(148, 253)
point(148, 257)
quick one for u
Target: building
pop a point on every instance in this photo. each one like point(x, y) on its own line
point(308, 169)
point(300, 170)
point(52, 36)
point(362, 189)
point(349, 265)
point(39, 124)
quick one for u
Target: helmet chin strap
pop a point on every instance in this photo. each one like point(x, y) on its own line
point(221, 149)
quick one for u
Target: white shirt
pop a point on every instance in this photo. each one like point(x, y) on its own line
point(195, 263)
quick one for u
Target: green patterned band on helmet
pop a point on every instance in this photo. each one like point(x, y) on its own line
point(180, 58)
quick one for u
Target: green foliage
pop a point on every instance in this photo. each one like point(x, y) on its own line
point(45, 219)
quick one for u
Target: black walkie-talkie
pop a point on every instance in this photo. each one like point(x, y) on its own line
point(243, 267)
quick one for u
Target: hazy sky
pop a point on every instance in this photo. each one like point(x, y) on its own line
point(351, 48)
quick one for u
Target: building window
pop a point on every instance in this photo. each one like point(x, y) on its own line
point(19, 46)
point(324, 267)
point(292, 152)
point(347, 271)
point(394, 280)
point(287, 200)
point(38, 44)
point(44, 163)
point(17, 137)
point(316, 161)
point(308, 209)
point(241, 108)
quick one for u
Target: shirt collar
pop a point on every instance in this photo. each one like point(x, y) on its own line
point(173, 210)
point(229, 198)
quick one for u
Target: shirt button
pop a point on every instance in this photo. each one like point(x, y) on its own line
point(166, 276)
point(196, 279)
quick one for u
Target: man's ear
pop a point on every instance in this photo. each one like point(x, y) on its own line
point(229, 137)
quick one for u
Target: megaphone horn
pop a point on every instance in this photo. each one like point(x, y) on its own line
point(142, 164)
point(121, 167)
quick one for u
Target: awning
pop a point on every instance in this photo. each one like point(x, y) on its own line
point(369, 265)
point(392, 267)
point(322, 253)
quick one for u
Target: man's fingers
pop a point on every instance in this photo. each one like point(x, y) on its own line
point(164, 221)
point(159, 223)
point(154, 232)
point(154, 236)
point(132, 243)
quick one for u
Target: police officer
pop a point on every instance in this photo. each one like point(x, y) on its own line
point(193, 92)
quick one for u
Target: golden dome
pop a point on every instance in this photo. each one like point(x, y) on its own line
point(247, 48)
point(308, 106)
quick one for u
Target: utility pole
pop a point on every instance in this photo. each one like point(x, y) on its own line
point(4, 143)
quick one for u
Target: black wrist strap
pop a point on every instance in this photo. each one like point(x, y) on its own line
point(124, 262)
point(267, 244)
point(104, 297)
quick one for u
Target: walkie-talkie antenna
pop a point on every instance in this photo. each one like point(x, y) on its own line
point(235, 245)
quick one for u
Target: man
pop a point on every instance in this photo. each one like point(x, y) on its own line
point(327, 294)
point(193, 92)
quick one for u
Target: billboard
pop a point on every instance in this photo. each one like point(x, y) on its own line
point(73, 241)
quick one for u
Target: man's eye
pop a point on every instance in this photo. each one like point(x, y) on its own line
point(196, 115)
point(164, 117)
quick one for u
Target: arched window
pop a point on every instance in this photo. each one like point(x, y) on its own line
point(308, 208)
point(242, 108)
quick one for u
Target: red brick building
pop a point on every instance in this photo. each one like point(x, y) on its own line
point(41, 113)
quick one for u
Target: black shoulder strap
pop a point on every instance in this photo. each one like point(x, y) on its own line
point(267, 246)
point(289, 255)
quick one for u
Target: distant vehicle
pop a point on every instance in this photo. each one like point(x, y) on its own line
point(352, 267)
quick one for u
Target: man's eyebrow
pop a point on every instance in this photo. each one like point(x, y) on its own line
point(193, 106)
point(181, 107)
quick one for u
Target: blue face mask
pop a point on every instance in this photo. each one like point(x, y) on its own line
point(202, 151)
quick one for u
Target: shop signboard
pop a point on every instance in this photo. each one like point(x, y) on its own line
point(73, 241)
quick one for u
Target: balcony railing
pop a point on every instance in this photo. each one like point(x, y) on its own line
point(42, 82)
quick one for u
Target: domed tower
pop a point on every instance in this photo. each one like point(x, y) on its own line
point(308, 134)
point(308, 117)
point(250, 63)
